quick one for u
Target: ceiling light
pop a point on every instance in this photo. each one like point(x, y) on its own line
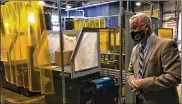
point(68, 6)
point(6, 25)
point(31, 17)
point(138, 4)
point(41, 2)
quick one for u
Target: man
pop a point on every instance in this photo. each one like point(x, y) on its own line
point(155, 67)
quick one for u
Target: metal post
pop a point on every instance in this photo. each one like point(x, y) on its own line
point(1, 29)
point(161, 6)
point(68, 13)
point(177, 23)
point(109, 40)
point(62, 54)
point(129, 44)
point(114, 48)
point(120, 51)
point(127, 5)
point(151, 10)
point(181, 48)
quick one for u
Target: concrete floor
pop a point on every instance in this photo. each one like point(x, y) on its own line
point(9, 97)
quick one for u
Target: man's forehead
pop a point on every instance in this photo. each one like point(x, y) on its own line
point(134, 22)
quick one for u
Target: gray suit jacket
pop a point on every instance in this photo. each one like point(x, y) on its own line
point(161, 71)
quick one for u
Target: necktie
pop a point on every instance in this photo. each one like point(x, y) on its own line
point(141, 58)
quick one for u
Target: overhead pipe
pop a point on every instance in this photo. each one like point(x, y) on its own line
point(150, 3)
point(83, 12)
point(50, 6)
point(93, 5)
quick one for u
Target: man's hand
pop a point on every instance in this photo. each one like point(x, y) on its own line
point(132, 87)
point(136, 83)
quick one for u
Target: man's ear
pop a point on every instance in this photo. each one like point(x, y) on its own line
point(150, 30)
point(147, 29)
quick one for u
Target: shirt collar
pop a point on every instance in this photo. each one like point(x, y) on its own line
point(149, 40)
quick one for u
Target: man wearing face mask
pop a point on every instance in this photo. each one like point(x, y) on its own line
point(155, 65)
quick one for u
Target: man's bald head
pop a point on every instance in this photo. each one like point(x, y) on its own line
point(140, 27)
point(138, 21)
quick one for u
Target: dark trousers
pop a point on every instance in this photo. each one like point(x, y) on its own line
point(138, 101)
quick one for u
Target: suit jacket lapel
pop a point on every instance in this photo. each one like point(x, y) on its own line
point(137, 57)
point(149, 52)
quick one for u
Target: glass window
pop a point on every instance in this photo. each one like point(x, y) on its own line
point(87, 55)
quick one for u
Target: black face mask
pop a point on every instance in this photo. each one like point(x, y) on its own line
point(137, 36)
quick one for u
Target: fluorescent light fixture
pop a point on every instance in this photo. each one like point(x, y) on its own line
point(6, 25)
point(138, 4)
point(41, 2)
point(68, 6)
point(31, 18)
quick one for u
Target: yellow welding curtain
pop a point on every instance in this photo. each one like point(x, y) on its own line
point(165, 33)
point(114, 35)
point(92, 23)
point(155, 13)
point(24, 32)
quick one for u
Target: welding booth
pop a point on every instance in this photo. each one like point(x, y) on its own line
point(31, 56)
